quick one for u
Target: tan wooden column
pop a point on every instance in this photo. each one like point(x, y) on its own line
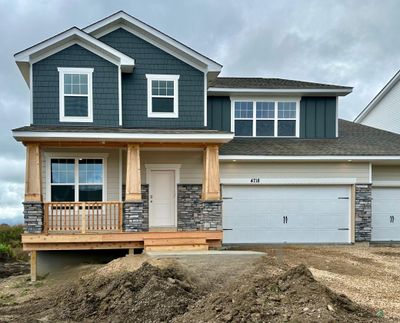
point(211, 177)
point(33, 189)
point(133, 181)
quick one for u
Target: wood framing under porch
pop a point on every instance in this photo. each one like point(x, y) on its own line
point(121, 240)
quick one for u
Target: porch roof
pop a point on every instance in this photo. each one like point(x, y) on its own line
point(82, 133)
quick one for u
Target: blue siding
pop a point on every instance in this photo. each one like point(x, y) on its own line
point(219, 113)
point(150, 59)
point(46, 87)
point(318, 117)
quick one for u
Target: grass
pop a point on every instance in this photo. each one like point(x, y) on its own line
point(10, 243)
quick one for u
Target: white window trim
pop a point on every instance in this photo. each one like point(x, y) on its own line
point(162, 77)
point(276, 118)
point(76, 157)
point(89, 73)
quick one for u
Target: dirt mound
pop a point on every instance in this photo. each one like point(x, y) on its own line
point(150, 294)
point(292, 296)
point(8, 269)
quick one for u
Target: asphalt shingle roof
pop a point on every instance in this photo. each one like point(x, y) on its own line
point(270, 83)
point(354, 140)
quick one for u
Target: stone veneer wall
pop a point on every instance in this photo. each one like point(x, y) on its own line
point(363, 212)
point(33, 217)
point(195, 214)
point(136, 214)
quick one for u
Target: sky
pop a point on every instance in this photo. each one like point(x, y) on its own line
point(354, 43)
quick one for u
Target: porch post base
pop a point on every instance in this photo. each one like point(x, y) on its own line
point(33, 217)
point(194, 213)
point(136, 213)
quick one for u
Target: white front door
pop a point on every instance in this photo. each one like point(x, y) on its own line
point(385, 214)
point(162, 198)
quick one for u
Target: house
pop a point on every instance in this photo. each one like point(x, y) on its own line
point(383, 112)
point(136, 141)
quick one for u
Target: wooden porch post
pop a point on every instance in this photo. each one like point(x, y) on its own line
point(33, 265)
point(211, 177)
point(33, 190)
point(133, 181)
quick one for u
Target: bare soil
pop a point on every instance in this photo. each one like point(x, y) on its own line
point(293, 284)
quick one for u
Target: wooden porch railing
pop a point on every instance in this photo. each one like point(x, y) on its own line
point(82, 217)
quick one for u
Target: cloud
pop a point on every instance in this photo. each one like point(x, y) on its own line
point(347, 42)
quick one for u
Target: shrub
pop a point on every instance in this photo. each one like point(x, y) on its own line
point(6, 252)
point(11, 235)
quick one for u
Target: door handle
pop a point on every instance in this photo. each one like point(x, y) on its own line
point(285, 219)
point(391, 219)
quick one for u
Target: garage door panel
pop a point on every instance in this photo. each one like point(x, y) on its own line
point(385, 214)
point(292, 214)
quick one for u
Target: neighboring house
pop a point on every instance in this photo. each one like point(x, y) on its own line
point(136, 142)
point(383, 112)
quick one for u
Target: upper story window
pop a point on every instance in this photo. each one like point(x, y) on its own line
point(267, 118)
point(76, 94)
point(162, 96)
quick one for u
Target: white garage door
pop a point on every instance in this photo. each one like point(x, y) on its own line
point(292, 214)
point(385, 214)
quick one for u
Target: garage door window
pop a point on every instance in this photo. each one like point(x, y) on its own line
point(272, 118)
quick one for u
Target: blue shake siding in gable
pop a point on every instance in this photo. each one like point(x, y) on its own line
point(150, 59)
point(46, 87)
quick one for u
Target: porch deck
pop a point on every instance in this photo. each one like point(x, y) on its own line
point(119, 240)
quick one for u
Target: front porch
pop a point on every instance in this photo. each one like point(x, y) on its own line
point(151, 196)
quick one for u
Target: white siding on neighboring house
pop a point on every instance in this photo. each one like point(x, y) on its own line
point(112, 168)
point(191, 162)
point(386, 113)
point(241, 171)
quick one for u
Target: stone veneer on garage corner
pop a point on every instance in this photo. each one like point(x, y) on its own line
point(196, 214)
point(363, 212)
point(136, 214)
point(33, 217)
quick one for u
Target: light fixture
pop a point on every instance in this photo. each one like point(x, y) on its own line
point(234, 160)
point(349, 160)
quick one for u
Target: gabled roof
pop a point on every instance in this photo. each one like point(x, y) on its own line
point(67, 38)
point(232, 85)
point(121, 19)
point(393, 81)
point(354, 140)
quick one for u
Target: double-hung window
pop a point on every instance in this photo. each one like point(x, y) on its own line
point(266, 118)
point(162, 96)
point(76, 94)
point(76, 179)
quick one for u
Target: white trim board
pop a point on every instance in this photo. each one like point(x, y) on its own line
point(155, 37)
point(299, 91)
point(232, 158)
point(142, 137)
point(289, 181)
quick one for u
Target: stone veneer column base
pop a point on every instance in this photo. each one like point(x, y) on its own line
point(196, 214)
point(363, 212)
point(33, 217)
point(136, 214)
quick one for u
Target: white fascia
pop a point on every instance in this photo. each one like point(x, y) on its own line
point(137, 137)
point(151, 35)
point(307, 158)
point(301, 91)
point(61, 41)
